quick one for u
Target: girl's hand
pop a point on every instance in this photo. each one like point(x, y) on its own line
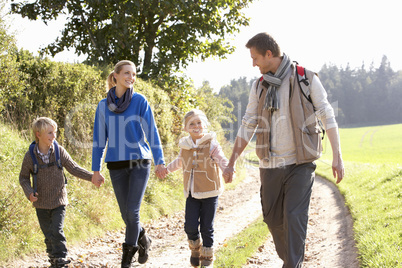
point(33, 198)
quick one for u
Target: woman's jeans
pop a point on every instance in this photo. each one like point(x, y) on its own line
point(51, 222)
point(129, 187)
point(201, 212)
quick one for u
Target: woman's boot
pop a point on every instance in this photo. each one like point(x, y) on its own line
point(128, 253)
point(144, 243)
point(195, 247)
point(207, 256)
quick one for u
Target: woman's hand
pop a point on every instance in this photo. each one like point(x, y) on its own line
point(98, 179)
point(161, 171)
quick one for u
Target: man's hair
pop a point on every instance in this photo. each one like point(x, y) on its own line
point(263, 42)
point(40, 124)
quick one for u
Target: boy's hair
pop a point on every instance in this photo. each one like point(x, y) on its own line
point(263, 42)
point(194, 112)
point(111, 81)
point(40, 124)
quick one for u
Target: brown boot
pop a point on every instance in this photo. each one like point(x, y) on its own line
point(206, 256)
point(195, 247)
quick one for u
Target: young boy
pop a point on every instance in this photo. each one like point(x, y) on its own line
point(48, 194)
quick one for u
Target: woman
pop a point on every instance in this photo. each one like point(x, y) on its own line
point(123, 120)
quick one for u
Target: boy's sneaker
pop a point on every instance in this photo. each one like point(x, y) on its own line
point(144, 243)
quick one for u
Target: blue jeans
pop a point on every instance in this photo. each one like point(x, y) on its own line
point(200, 212)
point(51, 222)
point(129, 187)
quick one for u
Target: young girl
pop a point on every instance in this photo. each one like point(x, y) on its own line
point(200, 157)
point(124, 121)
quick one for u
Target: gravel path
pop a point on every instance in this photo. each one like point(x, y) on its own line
point(329, 242)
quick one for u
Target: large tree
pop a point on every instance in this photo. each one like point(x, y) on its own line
point(160, 36)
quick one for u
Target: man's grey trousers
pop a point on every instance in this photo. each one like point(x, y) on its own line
point(285, 198)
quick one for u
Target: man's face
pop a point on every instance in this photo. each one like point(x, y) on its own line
point(262, 61)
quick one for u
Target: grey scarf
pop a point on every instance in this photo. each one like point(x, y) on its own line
point(122, 103)
point(273, 81)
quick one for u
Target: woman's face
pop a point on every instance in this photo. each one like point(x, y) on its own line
point(126, 78)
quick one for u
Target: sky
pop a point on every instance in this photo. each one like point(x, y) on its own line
point(311, 32)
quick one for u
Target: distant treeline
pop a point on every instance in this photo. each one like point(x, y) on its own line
point(361, 97)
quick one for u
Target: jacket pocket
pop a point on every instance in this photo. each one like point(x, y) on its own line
point(311, 142)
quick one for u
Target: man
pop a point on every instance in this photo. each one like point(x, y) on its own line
point(288, 142)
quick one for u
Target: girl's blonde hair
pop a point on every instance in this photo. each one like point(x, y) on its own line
point(40, 124)
point(111, 81)
point(195, 112)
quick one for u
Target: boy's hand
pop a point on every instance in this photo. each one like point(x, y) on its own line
point(98, 179)
point(229, 174)
point(33, 197)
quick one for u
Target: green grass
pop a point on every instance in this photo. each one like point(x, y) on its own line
point(372, 189)
point(91, 212)
point(236, 251)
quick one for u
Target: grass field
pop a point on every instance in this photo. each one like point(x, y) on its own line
point(372, 189)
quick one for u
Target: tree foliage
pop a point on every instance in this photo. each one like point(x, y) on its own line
point(160, 36)
point(361, 96)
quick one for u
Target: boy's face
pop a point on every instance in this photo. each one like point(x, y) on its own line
point(47, 136)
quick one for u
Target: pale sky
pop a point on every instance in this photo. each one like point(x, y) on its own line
point(312, 32)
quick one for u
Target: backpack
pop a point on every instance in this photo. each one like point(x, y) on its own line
point(36, 165)
point(304, 85)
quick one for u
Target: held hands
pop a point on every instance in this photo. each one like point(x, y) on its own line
point(161, 171)
point(229, 174)
point(98, 179)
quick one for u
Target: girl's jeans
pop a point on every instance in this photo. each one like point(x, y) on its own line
point(129, 187)
point(201, 212)
point(51, 222)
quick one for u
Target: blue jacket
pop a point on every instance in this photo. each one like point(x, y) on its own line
point(125, 134)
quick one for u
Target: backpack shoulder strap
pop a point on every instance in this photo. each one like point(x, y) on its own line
point(303, 81)
point(35, 167)
point(57, 154)
point(33, 156)
point(58, 160)
point(258, 84)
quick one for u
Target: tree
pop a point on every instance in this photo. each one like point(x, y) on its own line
point(160, 36)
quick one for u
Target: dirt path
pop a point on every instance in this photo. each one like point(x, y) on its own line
point(329, 244)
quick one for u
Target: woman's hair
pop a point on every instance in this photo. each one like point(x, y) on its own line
point(111, 81)
point(263, 42)
point(40, 124)
point(195, 112)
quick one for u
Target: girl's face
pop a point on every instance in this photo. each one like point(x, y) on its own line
point(47, 136)
point(126, 78)
point(195, 127)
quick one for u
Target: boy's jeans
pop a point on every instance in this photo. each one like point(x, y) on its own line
point(129, 187)
point(200, 212)
point(51, 222)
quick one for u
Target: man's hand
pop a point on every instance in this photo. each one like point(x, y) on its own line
point(229, 174)
point(338, 170)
